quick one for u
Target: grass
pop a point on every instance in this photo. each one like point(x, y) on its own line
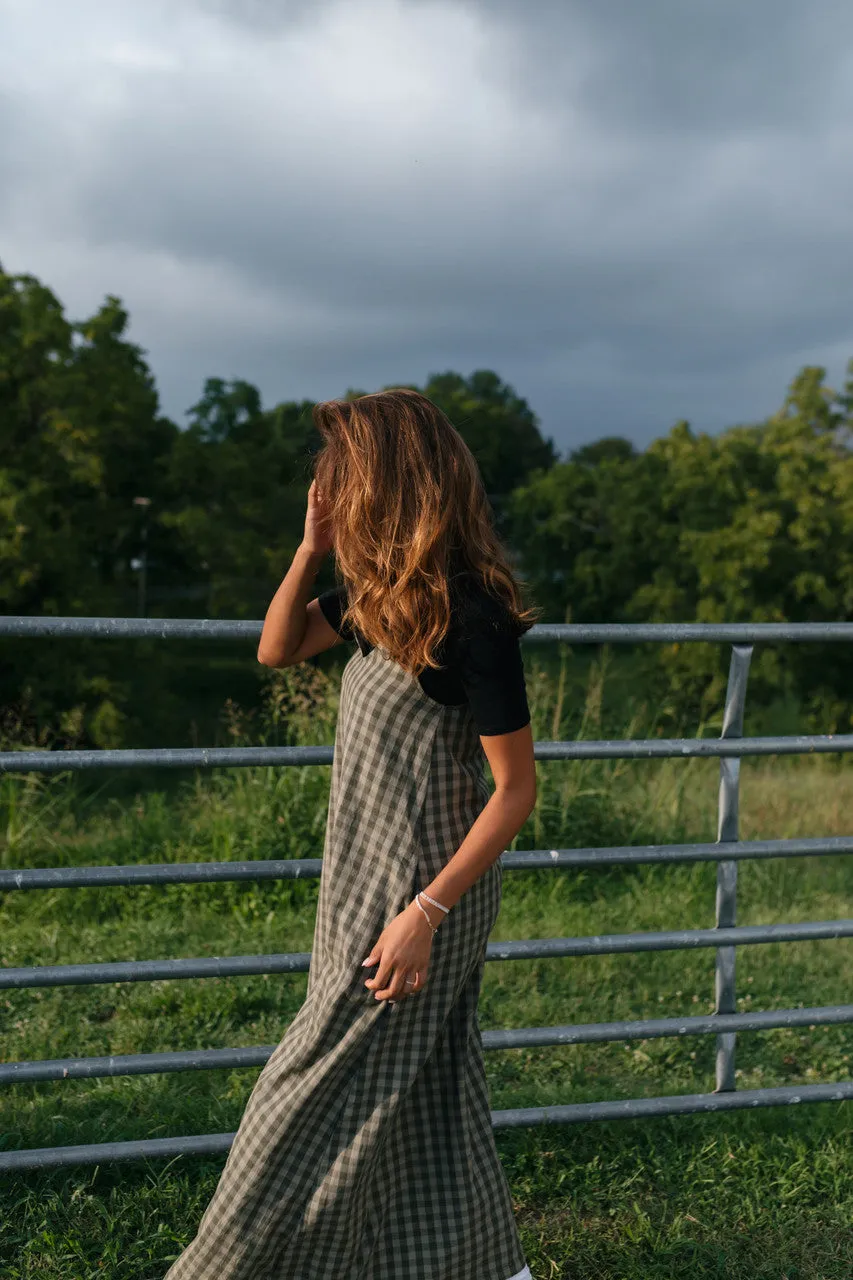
point(765, 1195)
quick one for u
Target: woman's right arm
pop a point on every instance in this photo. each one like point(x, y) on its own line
point(294, 627)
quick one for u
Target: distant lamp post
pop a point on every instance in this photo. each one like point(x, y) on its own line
point(142, 563)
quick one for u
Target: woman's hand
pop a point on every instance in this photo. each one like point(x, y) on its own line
point(318, 535)
point(402, 948)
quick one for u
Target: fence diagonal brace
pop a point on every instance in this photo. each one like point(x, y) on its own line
point(727, 832)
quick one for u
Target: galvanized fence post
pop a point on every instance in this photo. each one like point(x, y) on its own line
point(727, 831)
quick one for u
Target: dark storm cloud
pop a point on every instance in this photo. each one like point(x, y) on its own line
point(263, 17)
point(699, 66)
point(634, 213)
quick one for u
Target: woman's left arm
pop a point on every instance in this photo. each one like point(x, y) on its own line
point(406, 944)
point(510, 756)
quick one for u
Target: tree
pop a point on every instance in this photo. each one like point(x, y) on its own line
point(79, 437)
point(608, 447)
point(498, 426)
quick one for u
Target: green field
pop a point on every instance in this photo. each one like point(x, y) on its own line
point(763, 1195)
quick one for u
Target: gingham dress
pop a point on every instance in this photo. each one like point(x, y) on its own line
point(366, 1150)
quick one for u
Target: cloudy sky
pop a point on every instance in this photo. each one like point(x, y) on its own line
point(634, 211)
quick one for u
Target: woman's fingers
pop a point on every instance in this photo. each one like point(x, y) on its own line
point(394, 979)
point(381, 976)
point(411, 985)
point(393, 988)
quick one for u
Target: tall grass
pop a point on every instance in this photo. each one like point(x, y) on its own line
point(766, 1194)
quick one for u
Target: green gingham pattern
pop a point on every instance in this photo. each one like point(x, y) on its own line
point(366, 1149)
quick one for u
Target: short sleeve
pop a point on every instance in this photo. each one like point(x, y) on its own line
point(332, 604)
point(487, 658)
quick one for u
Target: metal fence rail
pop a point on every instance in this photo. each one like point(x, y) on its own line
point(725, 937)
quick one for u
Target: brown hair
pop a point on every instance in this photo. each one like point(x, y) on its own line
point(407, 508)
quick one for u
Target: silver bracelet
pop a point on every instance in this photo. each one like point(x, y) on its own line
point(419, 904)
point(433, 901)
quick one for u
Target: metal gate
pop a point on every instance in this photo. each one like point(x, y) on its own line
point(727, 851)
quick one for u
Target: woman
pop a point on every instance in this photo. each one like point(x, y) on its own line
point(366, 1150)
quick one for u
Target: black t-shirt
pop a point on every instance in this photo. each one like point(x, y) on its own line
point(480, 656)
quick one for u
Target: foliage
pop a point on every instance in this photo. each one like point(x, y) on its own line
point(752, 525)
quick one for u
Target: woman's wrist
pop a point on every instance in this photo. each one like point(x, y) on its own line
point(311, 553)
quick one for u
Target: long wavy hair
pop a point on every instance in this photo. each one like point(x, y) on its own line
point(408, 513)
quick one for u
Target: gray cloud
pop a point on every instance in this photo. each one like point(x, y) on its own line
point(261, 17)
point(634, 213)
point(704, 67)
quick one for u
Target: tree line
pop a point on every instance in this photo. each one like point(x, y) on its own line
point(752, 524)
